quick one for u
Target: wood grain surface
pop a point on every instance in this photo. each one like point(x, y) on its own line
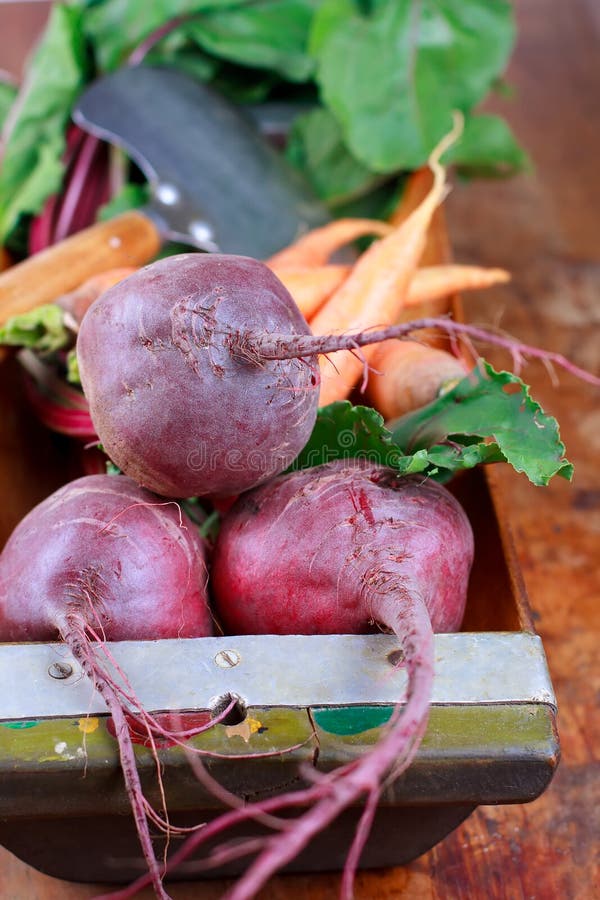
point(545, 227)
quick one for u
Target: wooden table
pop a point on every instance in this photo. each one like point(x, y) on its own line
point(545, 227)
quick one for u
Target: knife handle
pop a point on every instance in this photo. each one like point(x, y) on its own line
point(130, 239)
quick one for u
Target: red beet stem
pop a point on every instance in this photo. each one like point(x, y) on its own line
point(76, 186)
point(137, 56)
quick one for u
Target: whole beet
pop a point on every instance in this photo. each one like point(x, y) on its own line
point(317, 551)
point(103, 559)
point(174, 408)
point(111, 552)
point(343, 547)
point(202, 376)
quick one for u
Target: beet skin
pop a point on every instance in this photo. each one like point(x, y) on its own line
point(175, 408)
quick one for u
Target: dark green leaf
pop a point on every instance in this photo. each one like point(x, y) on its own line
point(393, 76)
point(117, 27)
point(495, 407)
point(269, 34)
point(42, 329)
point(315, 146)
point(189, 59)
point(243, 85)
point(32, 167)
point(131, 196)
point(343, 430)
point(8, 92)
point(488, 417)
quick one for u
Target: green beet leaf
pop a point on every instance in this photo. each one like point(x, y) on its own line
point(266, 34)
point(393, 75)
point(131, 196)
point(344, 431)
point(42, 329)
point(497, 409)
point(8, 92)
point(316, 147)
point(488, 417)
point(487, 147)
point(32, 167)
point(116, 27)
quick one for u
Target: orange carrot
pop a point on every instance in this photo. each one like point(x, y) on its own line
point(437, 246)
point(406, 375)
point(317, 246)
point(435, 282)
point(311, 286)
point(375, 291)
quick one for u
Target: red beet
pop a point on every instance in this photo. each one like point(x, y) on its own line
point(104, 560)
point(344, 548)
point(202, 375)
point(174, 408)
point(317, 552)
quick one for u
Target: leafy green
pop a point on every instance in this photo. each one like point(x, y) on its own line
point(73, 376)
point(270, 34)
point(343, 431)
point(131, 196)
point(384, 76)
point(8, 92)
point(177, 53)
point(495, 407)
point(316, 146)
point(116, 27)
point(32, 166)
point(477, 422)
point(393, 75)
point(41, 329)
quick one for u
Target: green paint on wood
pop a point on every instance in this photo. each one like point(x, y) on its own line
point(346, 720)
point(29, 723)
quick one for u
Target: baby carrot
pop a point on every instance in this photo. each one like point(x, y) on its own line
point(311, 286)
point(317, 246)
point(406, 375)
point(375, 291)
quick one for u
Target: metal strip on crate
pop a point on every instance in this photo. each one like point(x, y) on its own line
point(43, 680)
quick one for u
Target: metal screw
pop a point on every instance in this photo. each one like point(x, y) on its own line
point(60, 670)
point(395, 658)
point(203, 234)
point(227, 659)
point(168, 194)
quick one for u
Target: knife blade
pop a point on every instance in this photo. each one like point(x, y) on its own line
point(215, 184)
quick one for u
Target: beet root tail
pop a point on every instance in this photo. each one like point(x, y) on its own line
point(258, 348)
point(73, 634)
point(331, 793)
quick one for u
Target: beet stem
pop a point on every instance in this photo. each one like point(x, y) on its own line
point(76, 187)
